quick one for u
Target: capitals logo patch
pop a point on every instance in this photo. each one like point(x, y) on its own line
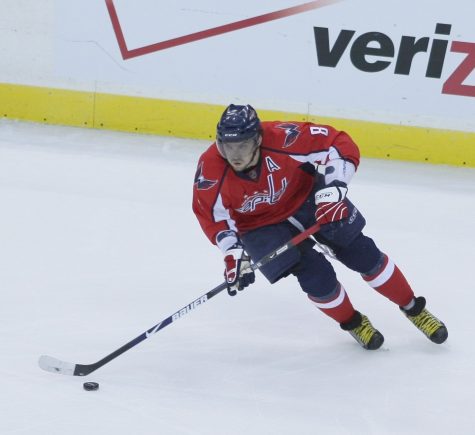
point(270, 197)
point(292, 132)
point(201, 182)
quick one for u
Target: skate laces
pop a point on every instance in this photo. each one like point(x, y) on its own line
point(364, 332)
point(426, 322)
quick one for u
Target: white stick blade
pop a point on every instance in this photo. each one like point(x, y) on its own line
point(55, 365)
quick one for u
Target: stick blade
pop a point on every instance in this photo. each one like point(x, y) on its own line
point(55, 365)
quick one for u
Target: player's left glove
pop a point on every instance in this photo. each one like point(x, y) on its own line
point(238, 272)
point(331, 206)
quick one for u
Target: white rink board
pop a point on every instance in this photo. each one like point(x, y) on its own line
point(273, 65)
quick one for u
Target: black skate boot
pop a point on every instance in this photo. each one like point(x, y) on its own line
point(426, 322)
point(363, 331)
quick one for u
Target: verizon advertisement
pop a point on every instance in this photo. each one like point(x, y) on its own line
point(381, 48)
point(399, 62)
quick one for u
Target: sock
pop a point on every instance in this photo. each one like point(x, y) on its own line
point(337, 305)
point(388, 280)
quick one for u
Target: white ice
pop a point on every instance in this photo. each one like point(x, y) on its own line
point(98, 243)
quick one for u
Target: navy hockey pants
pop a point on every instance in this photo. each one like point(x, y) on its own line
point(314, 272)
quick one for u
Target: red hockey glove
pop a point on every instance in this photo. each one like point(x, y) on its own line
point(331, 206)
point(238, 272)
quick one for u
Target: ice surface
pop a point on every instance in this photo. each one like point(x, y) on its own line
point(98, 243)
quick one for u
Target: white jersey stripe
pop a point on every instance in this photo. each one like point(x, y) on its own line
point(220, 213)
point(320, 156)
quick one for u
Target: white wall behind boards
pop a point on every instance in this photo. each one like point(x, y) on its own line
point(273, 65)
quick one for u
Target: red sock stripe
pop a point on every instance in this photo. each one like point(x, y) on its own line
point(391, 283)
point(339, 309)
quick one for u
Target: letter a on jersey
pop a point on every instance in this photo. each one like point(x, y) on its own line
point(271, 165)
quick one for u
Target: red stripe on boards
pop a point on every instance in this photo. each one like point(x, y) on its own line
point(192, 37)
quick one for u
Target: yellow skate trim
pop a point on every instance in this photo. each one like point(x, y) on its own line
point(364, 332)
point(426, 322)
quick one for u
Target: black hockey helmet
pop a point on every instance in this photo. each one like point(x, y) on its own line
point(238, 132)
point(238, 123)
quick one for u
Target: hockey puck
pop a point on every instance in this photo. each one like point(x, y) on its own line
point(90, 386)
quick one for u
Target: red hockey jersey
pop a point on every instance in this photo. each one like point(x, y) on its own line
point(226, 200)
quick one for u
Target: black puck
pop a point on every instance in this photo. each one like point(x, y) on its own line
point(90, 386)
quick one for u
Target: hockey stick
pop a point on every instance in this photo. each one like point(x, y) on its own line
point(55, 365)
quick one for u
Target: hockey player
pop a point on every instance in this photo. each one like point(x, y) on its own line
point(261, 183)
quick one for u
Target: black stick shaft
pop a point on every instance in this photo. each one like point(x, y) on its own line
point(85, 369)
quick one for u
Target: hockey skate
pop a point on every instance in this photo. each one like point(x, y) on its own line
point(361, 329)
point(426, 322)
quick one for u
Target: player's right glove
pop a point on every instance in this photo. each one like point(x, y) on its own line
point(238, 272)
point(331, 206)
